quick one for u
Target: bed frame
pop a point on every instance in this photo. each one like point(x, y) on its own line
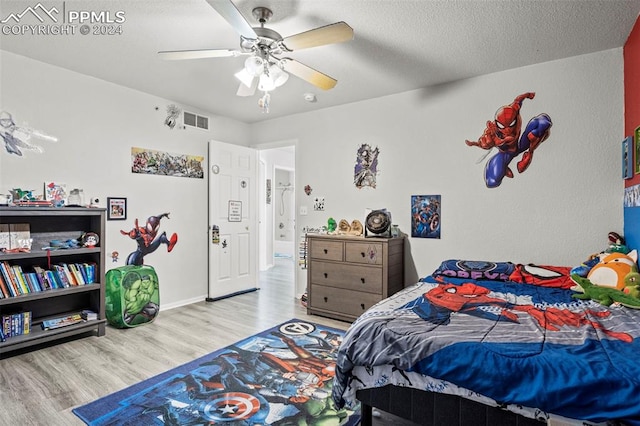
point(435, 409)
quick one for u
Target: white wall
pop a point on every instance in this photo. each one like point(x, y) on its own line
point(97, 123)
point(557, 212)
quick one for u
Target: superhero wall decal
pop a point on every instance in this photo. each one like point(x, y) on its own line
point(149, 238)
point(503, 133)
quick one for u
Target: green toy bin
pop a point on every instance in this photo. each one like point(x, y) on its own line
point(132, 296)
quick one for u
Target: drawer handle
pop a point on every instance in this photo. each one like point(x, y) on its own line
point(362, 305)
point(363, 254)
point(326, 275)
point(326, 299)
point(362, 279)
point(326, 251)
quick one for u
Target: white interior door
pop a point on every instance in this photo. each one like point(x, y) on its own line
point(233, 220)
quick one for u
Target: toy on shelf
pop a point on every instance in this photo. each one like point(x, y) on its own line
point(331, 225)
point(344, 228)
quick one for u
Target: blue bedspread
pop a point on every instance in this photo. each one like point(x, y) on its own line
point(513, 342)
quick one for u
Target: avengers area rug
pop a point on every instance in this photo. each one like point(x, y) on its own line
point(281, 376)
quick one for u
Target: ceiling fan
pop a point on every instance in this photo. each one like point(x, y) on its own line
point(265, 68)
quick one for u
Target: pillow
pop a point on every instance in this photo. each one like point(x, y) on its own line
point(475, 270)
point(543, 275)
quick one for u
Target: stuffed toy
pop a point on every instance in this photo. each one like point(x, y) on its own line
point(612, 269)
point(614, 279)
point(616, 245)
point(632, 284)
point(603, 295)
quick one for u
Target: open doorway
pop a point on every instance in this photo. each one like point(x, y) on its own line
point(278, 247)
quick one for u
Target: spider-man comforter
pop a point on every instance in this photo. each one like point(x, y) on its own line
point(515, 343)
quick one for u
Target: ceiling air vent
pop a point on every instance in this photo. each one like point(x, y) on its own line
point(195, 120)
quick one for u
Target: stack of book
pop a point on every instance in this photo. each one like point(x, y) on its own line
point(15, 324)
point(50, 324)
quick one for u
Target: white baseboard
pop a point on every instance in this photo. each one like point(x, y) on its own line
point(182, 303)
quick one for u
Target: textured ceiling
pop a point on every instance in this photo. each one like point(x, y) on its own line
point(399, 45)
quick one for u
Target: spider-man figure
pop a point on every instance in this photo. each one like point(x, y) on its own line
point(504, 134)
point(148, 239)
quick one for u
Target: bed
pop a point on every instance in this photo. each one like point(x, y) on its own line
point(493, 340)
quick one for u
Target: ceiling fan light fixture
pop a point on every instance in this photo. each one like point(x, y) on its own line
point(254, 65)
point(245, 77)
point(266, 83)
point(278, 75)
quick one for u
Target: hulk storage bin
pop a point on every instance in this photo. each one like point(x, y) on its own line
point(132, 296)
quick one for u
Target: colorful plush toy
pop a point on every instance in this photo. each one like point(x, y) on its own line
point(614, 278)
point(616, 245)
point(632, 284)
point(603, 295)
point(612, 269)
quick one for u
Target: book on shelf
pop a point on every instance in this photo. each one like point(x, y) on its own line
point(42, 278)
point(7, 280)
point(4, 287)
point(53, 323)
point(16, 324)
point(77, 275)
point(17, 270)
point(16, 280)
point(54, 279)
point(32, 277)
point(7, 272)
point(62, 276)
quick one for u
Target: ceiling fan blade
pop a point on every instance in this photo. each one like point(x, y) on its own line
point(309, 75)
point(232, 15)
point(329, 34)
point(243, 90)
point(197, 54)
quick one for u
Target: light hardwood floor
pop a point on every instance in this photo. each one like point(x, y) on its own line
point(42, 386)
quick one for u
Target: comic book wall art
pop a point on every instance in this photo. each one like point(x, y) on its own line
point(366, 168)
point(148, 161)
point(504, 134)
point(425, 216)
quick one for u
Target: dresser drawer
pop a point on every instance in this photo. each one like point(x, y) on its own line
point(327, 250)
point(348, 302)
point(350, 277)
point(369, 253)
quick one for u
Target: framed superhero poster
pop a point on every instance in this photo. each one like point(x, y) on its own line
point(425, 216)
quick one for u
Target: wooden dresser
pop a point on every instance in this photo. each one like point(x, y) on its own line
point(347, 275)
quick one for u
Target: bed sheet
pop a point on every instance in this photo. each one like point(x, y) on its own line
point(516, 344)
